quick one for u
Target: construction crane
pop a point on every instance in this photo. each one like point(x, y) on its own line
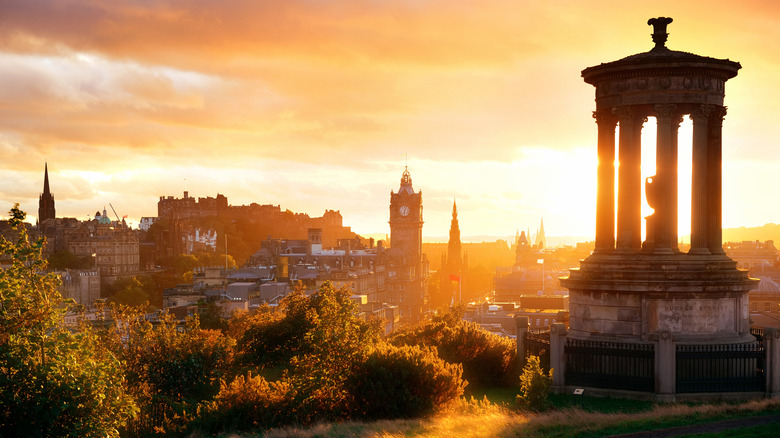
point(117, 216)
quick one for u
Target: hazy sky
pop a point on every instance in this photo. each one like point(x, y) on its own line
point(311, 105)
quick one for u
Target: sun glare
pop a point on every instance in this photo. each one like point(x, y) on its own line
point(684, 158)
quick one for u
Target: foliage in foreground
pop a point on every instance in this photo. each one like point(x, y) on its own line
point(333, 368)
point(53, 381)
point(247, 403)
point(487, 359)
point(403, 382)
point(534, 386)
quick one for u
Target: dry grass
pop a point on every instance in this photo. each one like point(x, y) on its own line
point(484, 419)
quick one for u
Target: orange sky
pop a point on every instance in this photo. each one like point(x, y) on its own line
point(311, 104)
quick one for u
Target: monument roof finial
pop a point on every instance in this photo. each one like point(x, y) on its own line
point(659, 30)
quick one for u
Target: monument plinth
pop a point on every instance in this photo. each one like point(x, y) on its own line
point(632, 290)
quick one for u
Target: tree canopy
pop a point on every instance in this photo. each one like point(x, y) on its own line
point(53, 381)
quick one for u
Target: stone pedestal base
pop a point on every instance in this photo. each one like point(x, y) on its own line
point(696, 298)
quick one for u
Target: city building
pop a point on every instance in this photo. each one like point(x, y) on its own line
point(407, 266)
point(184, 224)
point(755, 256)
point(535, 272)
point(113, 244)
point(81, 285)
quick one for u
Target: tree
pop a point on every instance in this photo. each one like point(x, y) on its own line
point(318, 340)
point(53, 381)
point(129, 292)
point(170, 366)
point(534, 386)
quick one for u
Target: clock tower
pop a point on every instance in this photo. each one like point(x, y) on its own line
point(407, 275)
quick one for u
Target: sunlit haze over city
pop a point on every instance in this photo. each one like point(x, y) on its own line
point(315, 105)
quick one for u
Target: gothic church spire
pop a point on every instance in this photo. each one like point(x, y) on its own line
point(46, 200)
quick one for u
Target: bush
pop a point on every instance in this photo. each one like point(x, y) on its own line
point(487, 359)
point(247, 403)
point(401, 382)
point(170, 367)
point(180, 363)
point(534, 386)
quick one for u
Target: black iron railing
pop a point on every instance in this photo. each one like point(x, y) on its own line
point(721, 367)
point(613, 365)
point(537, 343)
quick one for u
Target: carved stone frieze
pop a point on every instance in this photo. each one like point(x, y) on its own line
point(660, 83)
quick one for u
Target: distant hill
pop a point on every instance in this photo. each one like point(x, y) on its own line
point(762, 233)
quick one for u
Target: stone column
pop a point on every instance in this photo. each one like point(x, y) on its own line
point(772, 364)
point(629, 206)
point(605, 196)
point(699, 173)
point(714, 181)
point(665, 179)
point(558, 358)
point(521, 323)
point(665, 368)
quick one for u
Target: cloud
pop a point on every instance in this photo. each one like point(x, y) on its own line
point(310, 103)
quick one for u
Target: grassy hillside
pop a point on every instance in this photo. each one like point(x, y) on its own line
point(484, 419)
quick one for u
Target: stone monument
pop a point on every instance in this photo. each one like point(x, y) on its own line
point(634, 291)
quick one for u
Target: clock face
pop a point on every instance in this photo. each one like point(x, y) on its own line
point(404, 210)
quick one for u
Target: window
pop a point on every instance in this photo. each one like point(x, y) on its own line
point(766, 307)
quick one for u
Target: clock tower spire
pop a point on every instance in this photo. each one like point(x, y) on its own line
point(408, 272)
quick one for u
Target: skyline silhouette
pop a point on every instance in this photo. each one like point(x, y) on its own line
point(311, 106)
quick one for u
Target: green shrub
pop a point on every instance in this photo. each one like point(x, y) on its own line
point(247, 403)
point(177, 362)
point(170, 367)
point(401, 382)
point(534, 386)
point(488, 359)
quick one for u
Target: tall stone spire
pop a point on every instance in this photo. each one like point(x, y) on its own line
point(453, 268)
point(46, 200)
point(541, 240)
point(46, 179)
point(454, 246)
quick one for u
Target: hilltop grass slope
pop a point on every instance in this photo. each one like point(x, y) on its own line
point(485, 419)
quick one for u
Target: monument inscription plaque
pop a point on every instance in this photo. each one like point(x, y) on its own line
point(694, 315)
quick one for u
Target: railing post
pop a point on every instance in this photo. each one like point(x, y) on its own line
point(772, 362)
point(522, 329)
point(665, 368)
point(558, 358)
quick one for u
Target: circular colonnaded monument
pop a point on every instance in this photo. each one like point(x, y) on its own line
point(634, 291)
